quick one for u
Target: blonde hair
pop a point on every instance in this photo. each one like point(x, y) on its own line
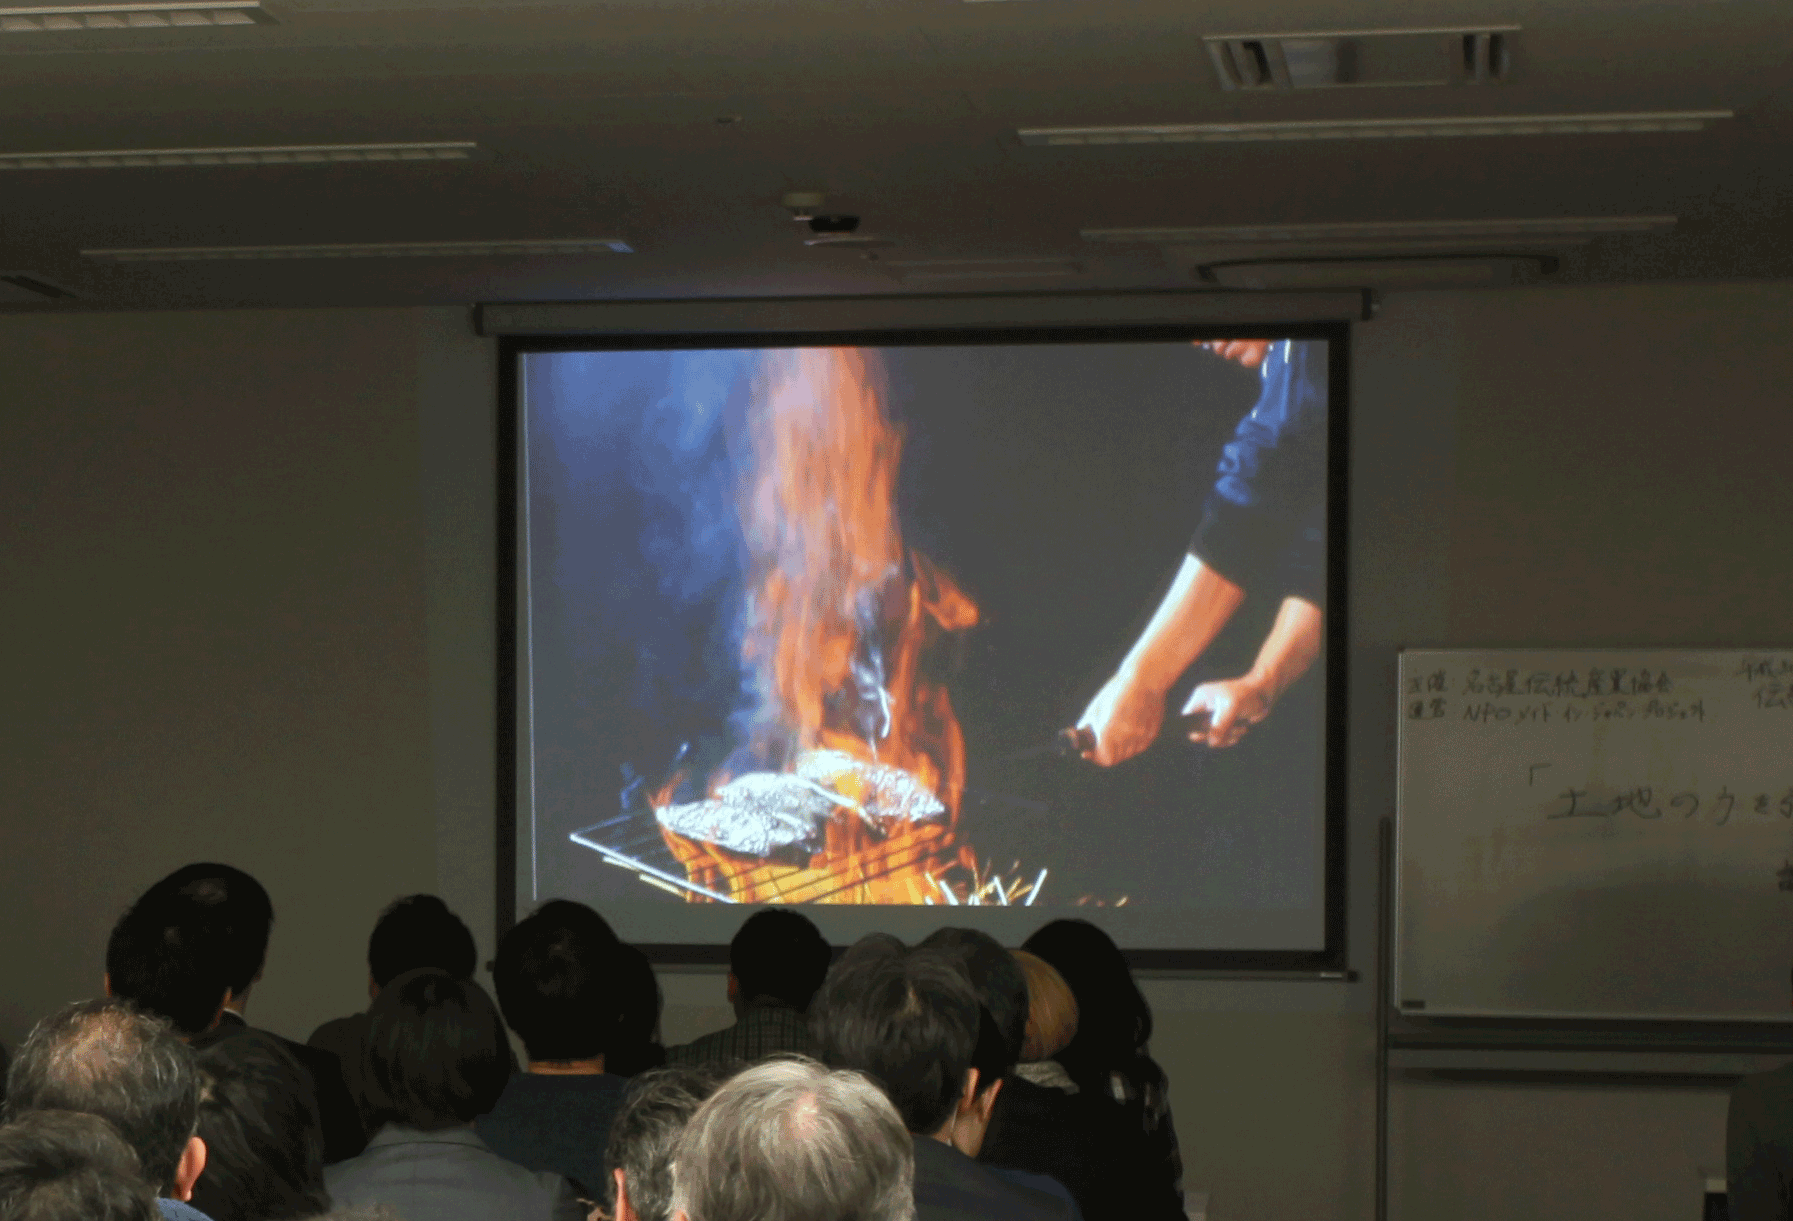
point(1051, 1009)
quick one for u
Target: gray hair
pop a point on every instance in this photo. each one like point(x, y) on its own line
point(654, 1112)
point(789, 1140)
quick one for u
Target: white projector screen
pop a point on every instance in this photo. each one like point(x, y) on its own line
point(1024, 624)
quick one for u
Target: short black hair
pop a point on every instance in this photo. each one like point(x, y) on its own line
point(239, 906)
point(555, 979)
point(906, 1018)
point(419, 931)
point(170, 956)
point(996, 978)
point(635, 1048)
point(1114, 1022)
point(436, 1052)
point(264, 1141)
point(781, 954)
point(70, 1166)
point(108, 1058)
point(647, 1127)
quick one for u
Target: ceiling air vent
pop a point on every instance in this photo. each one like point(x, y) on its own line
point(22, 288)
point(1357, 59)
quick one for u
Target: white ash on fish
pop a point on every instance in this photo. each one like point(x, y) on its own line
point(783, 815)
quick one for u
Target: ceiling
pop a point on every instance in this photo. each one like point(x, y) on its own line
point(677, 126)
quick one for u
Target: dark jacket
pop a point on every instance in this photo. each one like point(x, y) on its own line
point(558, 1123)
point(951, 1187)
point(344, 1136)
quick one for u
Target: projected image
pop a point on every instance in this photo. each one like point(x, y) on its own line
point(983, 625)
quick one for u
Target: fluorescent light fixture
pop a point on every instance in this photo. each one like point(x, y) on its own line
point(1566, 230)
point(153, 15)
point(1465, 271)
point(272, 154)
point(1377, 129)
point(364, 250)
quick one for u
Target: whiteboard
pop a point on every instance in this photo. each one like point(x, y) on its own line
point(1595, 834)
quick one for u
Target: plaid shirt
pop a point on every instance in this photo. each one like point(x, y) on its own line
point(767, 1027)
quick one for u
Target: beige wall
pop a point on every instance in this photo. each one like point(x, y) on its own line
point(248, 558)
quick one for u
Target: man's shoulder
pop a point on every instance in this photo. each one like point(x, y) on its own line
point(949, 1185)
point(179, 1210)
point(537, 1100)
point(338, 1033)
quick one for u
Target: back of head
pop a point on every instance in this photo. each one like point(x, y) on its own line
point(1051, 1009)
point(995, 975)
point(555, 978)
point(779, 954)
point(419, 931)
point(105, 1058)
point(788, 1140)
point(239, 909)
point(1114, 1023)
point(264, 1143)
point(68, 1166)
point(436, 1052)
point(647, 1128)
point(906, 1018)
point(171, 956)
point(635, 1045)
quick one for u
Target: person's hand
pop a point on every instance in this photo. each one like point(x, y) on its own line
point(1125, 716)
point(1249, 353)
point(1231, 705)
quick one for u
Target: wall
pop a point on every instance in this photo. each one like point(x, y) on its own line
point(248, 557)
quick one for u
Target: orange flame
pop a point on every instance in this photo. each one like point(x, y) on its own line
point(841, 622)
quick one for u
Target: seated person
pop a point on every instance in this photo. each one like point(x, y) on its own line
point(436, 1059)
point(264, 1147)
point(106, 1058)
point(636, 1046)
point(910, 1021)
point(775, 964)
point(790, 1141)
point(415, 931)
point(1125, 1093)
point(1759, 1147)
point(244, 918)
point(66, 1166)
point(638, 1157)
point(556, 983)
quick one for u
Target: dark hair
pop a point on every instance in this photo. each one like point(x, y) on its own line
point(419, 931)
point(108, 1059)
point(997, 979)
point(781, 954)
point(239, 906)
point(555, 982)
point(646, 1128)
point(635, 1048)
point(436, 1052)
point(908, 1020)
point(169, 955)
point(264, 1142)
point(69, 1166)
point(1114, 1023)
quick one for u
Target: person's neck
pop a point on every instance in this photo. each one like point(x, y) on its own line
point(567, 1068)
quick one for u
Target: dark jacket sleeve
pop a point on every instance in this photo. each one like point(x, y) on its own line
point(1263, 524)
point(1756, 1173)
point(344, 1136)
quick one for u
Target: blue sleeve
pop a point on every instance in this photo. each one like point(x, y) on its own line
point(1264, 523)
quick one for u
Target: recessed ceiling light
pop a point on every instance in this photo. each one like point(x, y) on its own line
point(153, 15)
point(1562, 229)
point(272, 154)
point(1377, 129)
point(364, 250)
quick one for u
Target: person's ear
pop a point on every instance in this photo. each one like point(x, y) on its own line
point(373, 989)
point(624, 1210)
point(734, 988)
point(218, 1013)
point(968, 1099)
point(191, 1166)
point(986, 1101)
point(106, 982)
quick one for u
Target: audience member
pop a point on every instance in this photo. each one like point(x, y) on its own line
point(264, 1147)
point(1109, 1062)
point(1051, 1022)
point(67, 1166)
point(910, 1020)
point(1759, 1147)
point(556, 983)
point(1045, 1157)
point(790, 1141)
point(638, 1157)
point(107, 1058)
point(636, 1046)
point(166, 960)
point(436, 1059)
point(227, 911)
point(415, 931)
point(775, 964)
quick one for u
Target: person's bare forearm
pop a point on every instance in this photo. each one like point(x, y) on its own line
point(1191, 613)
point(1290, 648)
